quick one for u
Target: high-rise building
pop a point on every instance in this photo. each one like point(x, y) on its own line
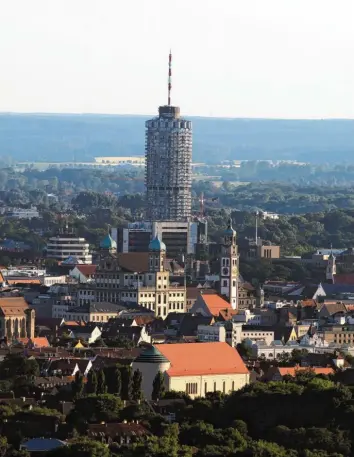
point(168, 152)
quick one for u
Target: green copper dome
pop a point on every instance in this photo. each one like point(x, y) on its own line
point(108, 243)
point(151, 355)
point(157, 245)
point(229, 231)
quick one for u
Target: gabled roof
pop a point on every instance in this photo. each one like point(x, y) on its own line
point(12, 306)
point(116, 429)
point(291, 371)
point(37, 342)
point(196, 359)
point(87, 270)
point(215, 303)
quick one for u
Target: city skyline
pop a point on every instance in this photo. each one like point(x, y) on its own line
point(255, 59)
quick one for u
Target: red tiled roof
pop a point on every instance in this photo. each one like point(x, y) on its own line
point(215, 303)
point(73, 324)
point(13, 306)
point(309, 303)
point(87, 270)
point(344, 279)
point(23, 281)
point(227, 314)
point(196, 359)
point(291, 371)
point(38, 342)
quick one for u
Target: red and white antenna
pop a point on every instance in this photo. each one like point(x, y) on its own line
point(169, 77)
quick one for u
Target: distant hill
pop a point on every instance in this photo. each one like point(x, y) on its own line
point(81, 137)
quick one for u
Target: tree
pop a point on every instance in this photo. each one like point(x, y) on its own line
point(118, 381)
point(81, 447)
point(91, 386)
point(17, 365)
point(158, 386)
point(77, 386)
point(95, 408)
point(101, 383)
point(126, 390)
point(136, 385)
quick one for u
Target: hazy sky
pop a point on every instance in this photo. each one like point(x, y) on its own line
point(234, 58)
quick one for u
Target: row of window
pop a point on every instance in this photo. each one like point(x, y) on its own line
point(192, 387)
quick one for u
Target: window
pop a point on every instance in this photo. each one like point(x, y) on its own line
point(214, 386)
point(224, 282)
point(205, 388)
point(233, 386)
point(223, 387)
point(191, 388)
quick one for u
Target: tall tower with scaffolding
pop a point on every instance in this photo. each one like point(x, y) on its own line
point(168, 152)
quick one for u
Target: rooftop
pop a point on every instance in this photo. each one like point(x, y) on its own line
point(215, 303)
point(202, 359)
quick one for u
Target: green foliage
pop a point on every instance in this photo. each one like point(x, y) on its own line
point(101, 382)
point(95, 408)
point(91, 386)
point(158, 386)
point(77, 386)
point(16, 365)
point(136, 385)
point(126, 389)
point(82, 447)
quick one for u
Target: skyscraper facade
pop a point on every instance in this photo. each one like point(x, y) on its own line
point(168, 151)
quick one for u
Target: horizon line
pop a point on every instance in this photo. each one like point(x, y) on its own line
point(53, 113)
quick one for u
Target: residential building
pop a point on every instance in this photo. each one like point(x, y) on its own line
point(194, 368)
point(245, 316)
point(21, 213)
point(88, 333)
point(339, 334)
point(64, 245)
point(278, 373)
point(252, 250)
point(125, 329)
point(168, 153)
point(83, 273)
point(208, 333)
point(122, 433)
point(94, 312)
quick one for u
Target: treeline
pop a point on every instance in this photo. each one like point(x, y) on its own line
point(323, 174)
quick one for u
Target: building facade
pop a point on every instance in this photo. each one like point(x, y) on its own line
point(193, 368)
point(151, 289)
point(65, 245)
point(168, 152)
point(16, 319)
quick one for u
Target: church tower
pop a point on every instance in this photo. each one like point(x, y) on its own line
point(331, 269)
point(229, 266)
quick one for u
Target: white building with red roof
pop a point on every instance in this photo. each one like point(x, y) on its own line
point(193, 368)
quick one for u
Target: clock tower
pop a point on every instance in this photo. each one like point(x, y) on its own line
point(229, 262)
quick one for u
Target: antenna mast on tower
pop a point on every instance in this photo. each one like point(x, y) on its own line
point(169, 77)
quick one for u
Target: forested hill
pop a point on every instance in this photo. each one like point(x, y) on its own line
point(44, 137)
